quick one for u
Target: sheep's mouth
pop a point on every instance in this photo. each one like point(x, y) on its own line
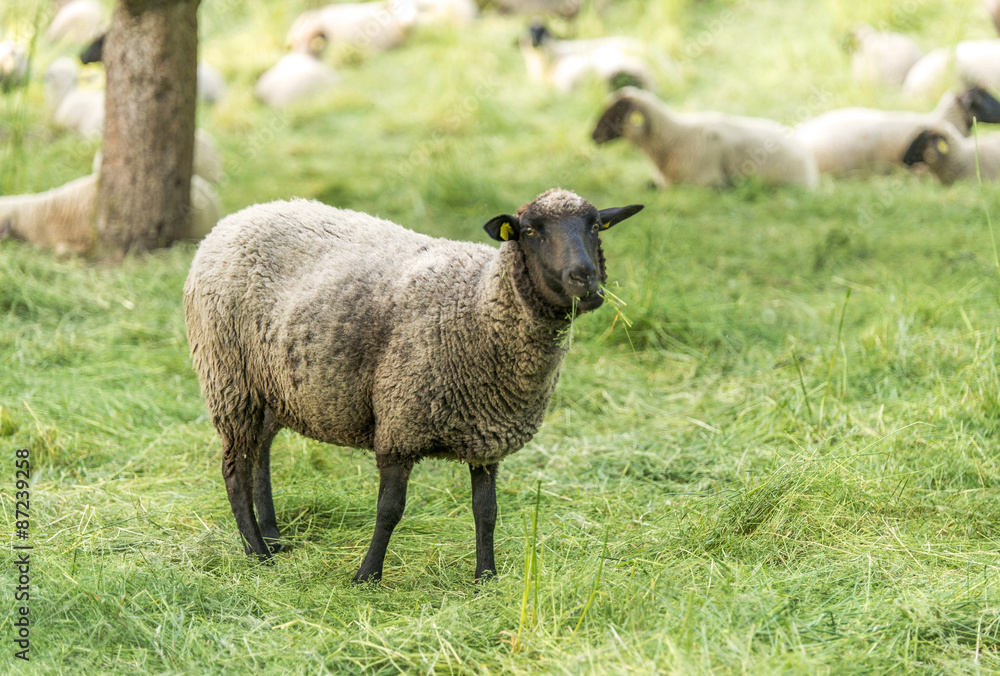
point(589, 300)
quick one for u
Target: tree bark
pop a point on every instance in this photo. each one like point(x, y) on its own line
point(151, 60)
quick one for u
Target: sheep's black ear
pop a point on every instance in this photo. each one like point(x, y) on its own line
point(503, 228)
point(618, 214)
point(94, 52)
point(612, 122)
point(915, 153)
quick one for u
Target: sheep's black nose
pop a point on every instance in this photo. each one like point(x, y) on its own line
point(584, 277)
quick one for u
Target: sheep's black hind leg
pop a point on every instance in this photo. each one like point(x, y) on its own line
point(262, 498)
point(237, 470)
point(484, 511)
point(391, 503)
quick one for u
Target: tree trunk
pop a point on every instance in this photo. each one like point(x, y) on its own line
point(151, 60)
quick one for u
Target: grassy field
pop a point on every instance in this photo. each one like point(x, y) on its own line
point(788, 464)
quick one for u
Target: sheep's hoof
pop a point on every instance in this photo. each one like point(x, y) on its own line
point(373, 578)
point(275, 546)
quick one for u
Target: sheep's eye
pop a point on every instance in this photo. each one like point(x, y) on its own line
point(528, 230)
point(597, 226)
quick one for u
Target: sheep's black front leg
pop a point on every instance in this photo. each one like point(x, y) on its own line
point(484, 511)
point(391, 503)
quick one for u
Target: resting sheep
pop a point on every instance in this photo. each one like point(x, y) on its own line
point(13, 65)
point(882, 57)
point(863, 140)
point(295, 76)
point(566, 64)
point(211, 86)
point(971, 62)
point(362, 26)
point(565, 8)
point(355, 331)
point(952, 157)
point(62, 219)
point(77, 22)
point(710, 149)
point(207, 158)
point(81, 110)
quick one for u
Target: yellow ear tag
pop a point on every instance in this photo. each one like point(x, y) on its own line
point(636, 119)
point(506, 231)
point(605, 226)
point(942, 146)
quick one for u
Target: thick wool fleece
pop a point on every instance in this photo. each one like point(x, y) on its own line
point(358, 332)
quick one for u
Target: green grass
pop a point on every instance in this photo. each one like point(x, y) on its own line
point(787, 465)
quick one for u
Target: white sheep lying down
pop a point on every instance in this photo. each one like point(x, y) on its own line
point(362, 26)
point(62, 219)
point(882, 56)
point(567, 64)
point(951, 157)
point(73, 108)
point(970, 62)
point(849, 141)
point(706, 148)
point(355, 331)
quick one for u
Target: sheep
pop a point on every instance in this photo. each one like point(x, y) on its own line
point(81, 110)
point(849, 141)
point(971, 62)
point(13, 65)
point(355, 331)
point(952, 157)
point(207, 159)
point(62, 219)
point(707, 148)
point(211, 86)
point(566, 64)
point(882, 57)
point(564, 8)
point(76, 22)
point(446, 11)
point(993, 9)
point(364, 26)
point(295, 76)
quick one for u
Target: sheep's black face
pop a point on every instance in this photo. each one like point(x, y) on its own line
point(979, 104)
point(559, 236)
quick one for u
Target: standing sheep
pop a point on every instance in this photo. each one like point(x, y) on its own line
point(710, 149)
point(849, 141)
point(355, 331)
point(952, 157)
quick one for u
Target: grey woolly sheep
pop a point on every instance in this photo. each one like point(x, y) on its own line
point(355, 331)
point(566, 64)
point(862, 140)
point(882, 56)
point(706, 148)
point(970, 62)
point(952, 157)
point(62, 219)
